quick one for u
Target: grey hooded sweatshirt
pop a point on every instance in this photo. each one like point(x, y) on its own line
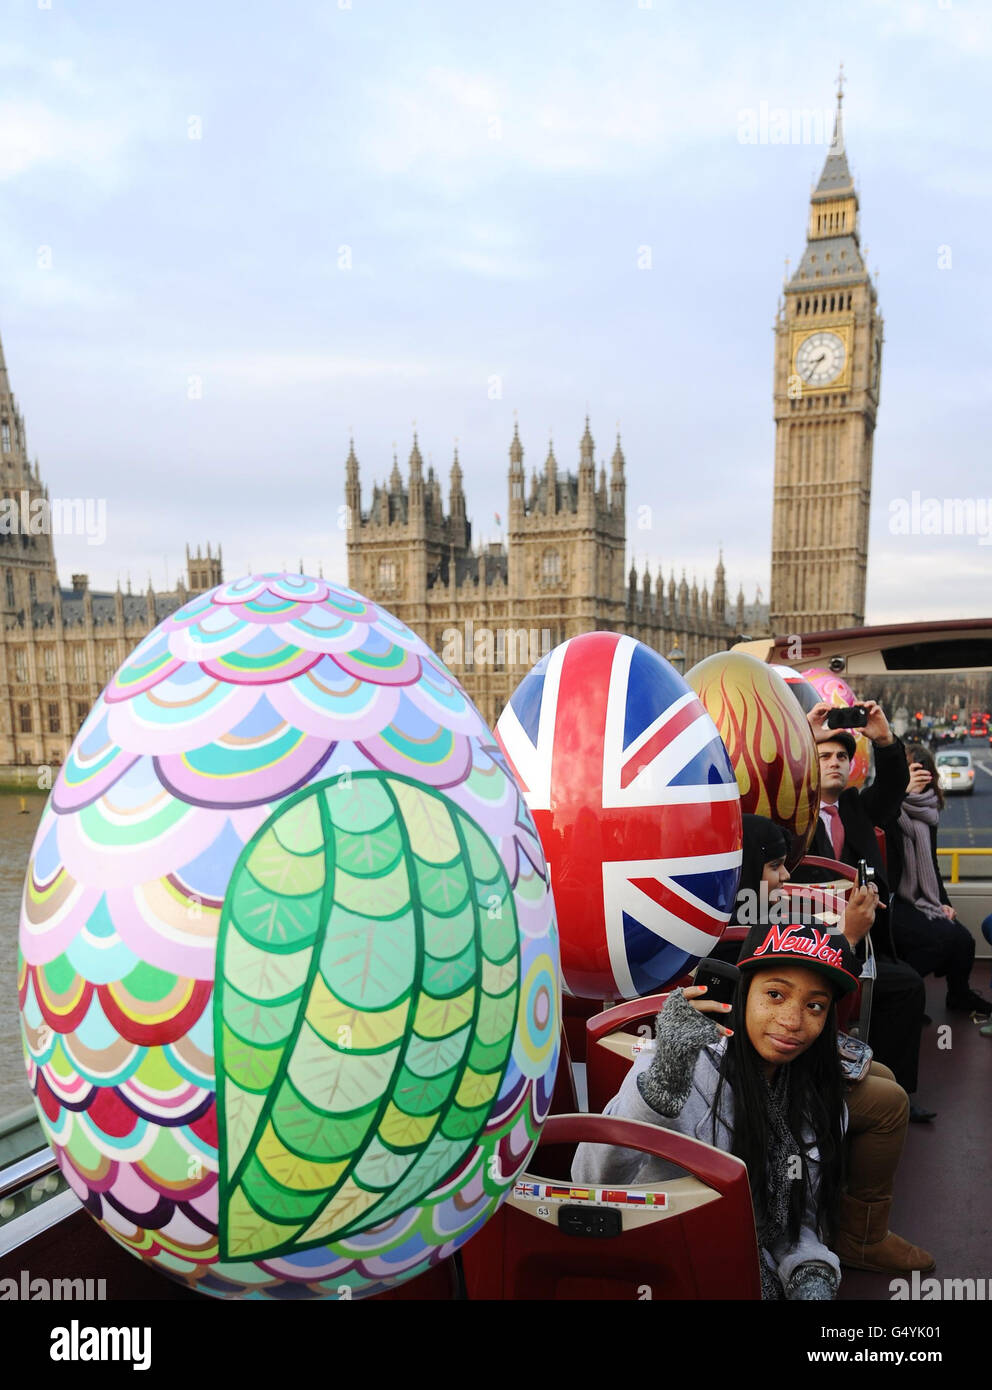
point(684, 1086)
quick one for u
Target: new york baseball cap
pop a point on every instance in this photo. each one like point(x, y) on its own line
point(796, 944)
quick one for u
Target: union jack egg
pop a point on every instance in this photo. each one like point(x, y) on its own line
point(288, 957)
point(637, 807)
point(838, 693)
point(769, 740)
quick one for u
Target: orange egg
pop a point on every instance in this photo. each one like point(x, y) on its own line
point(770, 743)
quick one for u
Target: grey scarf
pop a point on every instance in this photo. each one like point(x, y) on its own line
point(920, 884)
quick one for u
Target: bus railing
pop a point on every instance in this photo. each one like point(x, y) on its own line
point(956, 859)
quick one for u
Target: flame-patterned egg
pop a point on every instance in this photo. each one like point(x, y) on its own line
point(837, 692)
point(770, 743)
point(288, 955)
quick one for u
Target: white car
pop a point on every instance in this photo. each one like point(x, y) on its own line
point(955, 772)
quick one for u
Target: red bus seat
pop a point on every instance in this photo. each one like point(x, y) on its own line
point(700, 1243)
point(564, 1097)
point(610, 1039)
point(574, 1014)
point(883, 848)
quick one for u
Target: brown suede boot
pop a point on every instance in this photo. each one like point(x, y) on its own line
point(864, 1240)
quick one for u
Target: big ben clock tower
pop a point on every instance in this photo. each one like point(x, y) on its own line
point(828, 346)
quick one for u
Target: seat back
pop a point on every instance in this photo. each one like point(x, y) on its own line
point(689, 1237)
point(883, 848)
point(564, 1097)
point(612, 1041)
point(575, 1011)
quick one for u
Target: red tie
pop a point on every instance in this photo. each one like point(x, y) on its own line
point(835, 828)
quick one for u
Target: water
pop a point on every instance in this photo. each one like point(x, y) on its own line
point(16, 839)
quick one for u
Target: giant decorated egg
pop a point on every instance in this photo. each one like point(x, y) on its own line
point(637, 808)
point(769, 740)
point(838, 693)
point(807, 696)
point(289, 960)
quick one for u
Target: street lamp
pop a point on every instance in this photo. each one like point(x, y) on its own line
point(676, 658)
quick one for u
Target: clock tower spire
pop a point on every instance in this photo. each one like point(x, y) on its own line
point(828, 340)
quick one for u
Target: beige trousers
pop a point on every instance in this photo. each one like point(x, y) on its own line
point(878, 1116)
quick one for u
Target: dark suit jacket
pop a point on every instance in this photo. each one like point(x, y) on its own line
point(860, 812)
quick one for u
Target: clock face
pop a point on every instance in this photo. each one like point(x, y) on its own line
point(820, 358)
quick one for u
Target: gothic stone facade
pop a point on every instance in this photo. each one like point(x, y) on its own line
point(492, 611)
point(58, 647)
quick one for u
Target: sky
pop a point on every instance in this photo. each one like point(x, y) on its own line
point(233, 235)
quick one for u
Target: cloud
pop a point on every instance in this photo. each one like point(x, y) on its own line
point(917, 581)
point(967, 30)
point(32, 134)
point(276, 371)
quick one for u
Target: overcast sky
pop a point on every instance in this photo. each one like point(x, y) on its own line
point(491, 174)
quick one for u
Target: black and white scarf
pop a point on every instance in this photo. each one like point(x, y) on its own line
point(919, 884)
point(773, 1217)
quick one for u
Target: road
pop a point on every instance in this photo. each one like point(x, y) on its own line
point(966, 821)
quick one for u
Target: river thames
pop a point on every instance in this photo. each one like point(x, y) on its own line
point(16, 838)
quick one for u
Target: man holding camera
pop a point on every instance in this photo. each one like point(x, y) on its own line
point(846, 832)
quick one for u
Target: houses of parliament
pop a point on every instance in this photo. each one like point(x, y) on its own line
point(490, 611)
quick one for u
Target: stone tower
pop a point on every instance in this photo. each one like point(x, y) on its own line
point(565, 543)
point(204, 571)
point(27, 560)
point(828, 345)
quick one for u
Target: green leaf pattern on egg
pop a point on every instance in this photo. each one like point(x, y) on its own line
point(367, 991)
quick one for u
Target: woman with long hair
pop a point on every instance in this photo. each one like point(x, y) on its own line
point(925, 928)
point(878, 1107)
point(770, 1092)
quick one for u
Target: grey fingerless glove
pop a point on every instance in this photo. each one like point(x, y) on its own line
point(680, 1034)
point(811, 1282)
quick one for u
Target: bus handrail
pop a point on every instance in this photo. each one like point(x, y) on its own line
point(956, 858)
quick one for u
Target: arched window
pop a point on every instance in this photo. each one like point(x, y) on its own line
point(5, 436)
point(387, 574)
point(10, 588)
point(551, 567)
point(32, 587)
point(25, 714)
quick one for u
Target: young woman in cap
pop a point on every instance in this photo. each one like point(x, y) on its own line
point(878, 1107)
point(772, 1093)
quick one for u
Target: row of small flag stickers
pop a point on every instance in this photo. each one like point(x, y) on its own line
point(602, 1196)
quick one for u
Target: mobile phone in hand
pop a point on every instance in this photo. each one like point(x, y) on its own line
point(851, 717)
point(720, 980)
